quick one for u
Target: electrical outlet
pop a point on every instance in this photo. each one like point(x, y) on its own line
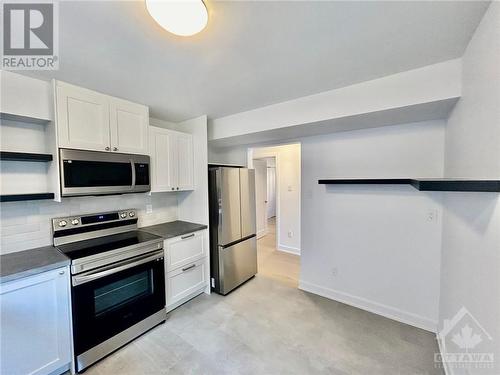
point(290, 188)
point(290, 234)
point(149, 208)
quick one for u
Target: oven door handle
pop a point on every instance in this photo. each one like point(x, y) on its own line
point(121, 266)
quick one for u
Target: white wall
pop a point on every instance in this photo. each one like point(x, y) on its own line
point(193, 205)
point(288, 191)
point(374, 246)
point(26, 225)
point(227, 155)
point(470, 275)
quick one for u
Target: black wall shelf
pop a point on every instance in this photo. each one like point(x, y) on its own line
point(422, 184)
point(24, 156)
point(25, 197)
point(18, 118)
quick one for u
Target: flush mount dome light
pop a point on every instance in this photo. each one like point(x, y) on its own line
point(180, 17)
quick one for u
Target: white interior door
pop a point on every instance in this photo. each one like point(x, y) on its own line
point(261, 196)
point(271, 192)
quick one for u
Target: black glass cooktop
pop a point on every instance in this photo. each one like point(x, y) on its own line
point(94, 246)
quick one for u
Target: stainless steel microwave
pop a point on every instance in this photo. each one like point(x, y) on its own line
point(102, 173)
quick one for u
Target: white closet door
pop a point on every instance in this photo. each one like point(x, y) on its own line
point(271, 192)
point(261, 196)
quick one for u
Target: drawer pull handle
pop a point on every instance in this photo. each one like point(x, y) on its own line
point(188, 268)
point(188, 236)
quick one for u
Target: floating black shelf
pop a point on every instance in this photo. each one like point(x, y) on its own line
point(18, 118)
point(422, 184)
point(24, 156)
point(25, 197)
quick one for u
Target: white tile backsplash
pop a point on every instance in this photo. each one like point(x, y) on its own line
point(25, 225)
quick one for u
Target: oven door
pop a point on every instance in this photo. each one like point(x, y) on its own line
point(107, 301)
point(98, 173)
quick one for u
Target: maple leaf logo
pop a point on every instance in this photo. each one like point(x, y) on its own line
point(465, 339)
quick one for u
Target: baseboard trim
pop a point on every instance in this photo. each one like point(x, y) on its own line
point(289, 249)
point(184, 300)
point(371, 306)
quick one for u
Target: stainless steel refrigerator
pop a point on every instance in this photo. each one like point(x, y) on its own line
point(233, 244)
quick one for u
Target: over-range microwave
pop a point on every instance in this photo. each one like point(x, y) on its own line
point(102, 173)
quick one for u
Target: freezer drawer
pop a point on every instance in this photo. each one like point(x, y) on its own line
point(237, 264)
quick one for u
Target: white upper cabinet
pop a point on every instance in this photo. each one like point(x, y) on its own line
point(129, 126)
point(82, 119)
point(171, 160)
point(163, 161)
point(88, 120)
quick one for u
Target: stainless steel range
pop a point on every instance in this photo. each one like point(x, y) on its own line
point(117, 281)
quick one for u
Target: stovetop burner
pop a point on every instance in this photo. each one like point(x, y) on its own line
point(85, 248)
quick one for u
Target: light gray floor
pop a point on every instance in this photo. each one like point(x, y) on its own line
point(268, 327)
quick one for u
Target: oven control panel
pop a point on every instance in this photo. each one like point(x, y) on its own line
point(72, 222)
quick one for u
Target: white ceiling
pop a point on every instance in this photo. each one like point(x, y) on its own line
point(253, 53)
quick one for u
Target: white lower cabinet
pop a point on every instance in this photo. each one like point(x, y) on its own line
point(35, 321)
point(184, 282)
point(186, 267)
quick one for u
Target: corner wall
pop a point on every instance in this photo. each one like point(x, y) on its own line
point(374, 247)
point(470, 272)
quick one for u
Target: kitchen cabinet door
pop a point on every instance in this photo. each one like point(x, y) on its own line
point(163, 159)
point(35, 320)
point(186, 282)
point(82, 118)
point(185, 156)
point(128, 126)
point(185, 249)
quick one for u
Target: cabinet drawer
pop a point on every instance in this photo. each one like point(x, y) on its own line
point(185, 249)
point(186, 280)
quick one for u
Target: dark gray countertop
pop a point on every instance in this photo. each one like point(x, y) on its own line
point(173, 228)
point(30, 262)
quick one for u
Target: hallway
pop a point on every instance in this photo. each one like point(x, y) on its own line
point(276, 264)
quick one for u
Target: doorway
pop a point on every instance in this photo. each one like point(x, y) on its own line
point(277, 190)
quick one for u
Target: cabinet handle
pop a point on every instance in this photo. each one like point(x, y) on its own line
point(188, 268)
point(61, 272)
point(115, 148)
point(106, 148)
point(188, 236)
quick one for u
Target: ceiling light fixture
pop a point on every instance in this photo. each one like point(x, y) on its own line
point(180, 17)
